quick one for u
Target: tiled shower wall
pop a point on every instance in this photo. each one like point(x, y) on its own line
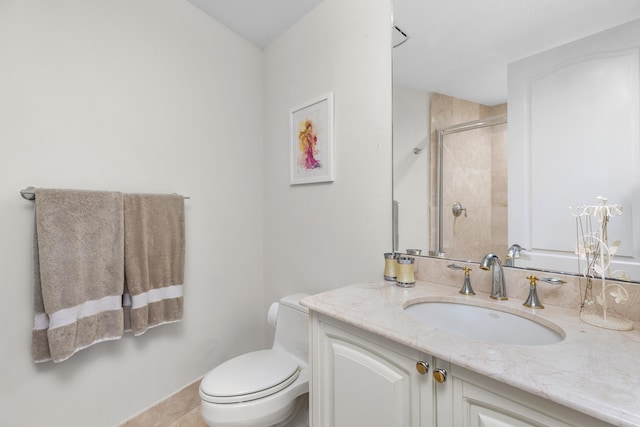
point(475, 175)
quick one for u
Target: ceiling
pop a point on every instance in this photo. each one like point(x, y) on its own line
point(460, 48)
point(259, 21)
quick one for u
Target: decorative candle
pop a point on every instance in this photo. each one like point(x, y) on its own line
point(405, 274)
point(390, 266)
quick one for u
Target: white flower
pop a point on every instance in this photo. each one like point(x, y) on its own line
point(613, 247)
point(620, 294)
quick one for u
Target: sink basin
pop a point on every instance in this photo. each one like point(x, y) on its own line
point(484, 324)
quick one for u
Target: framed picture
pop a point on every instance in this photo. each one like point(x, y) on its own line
point(311, 142)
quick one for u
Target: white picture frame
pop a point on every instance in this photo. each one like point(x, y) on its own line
point(311, 142)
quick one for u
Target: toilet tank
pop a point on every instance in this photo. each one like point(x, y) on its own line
point(292, 327)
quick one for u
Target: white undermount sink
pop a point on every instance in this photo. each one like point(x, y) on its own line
point(484, 324)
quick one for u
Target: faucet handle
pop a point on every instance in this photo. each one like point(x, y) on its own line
point(466, 287)
point(533, 301)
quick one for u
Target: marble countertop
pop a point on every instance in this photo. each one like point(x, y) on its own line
point(595, 371)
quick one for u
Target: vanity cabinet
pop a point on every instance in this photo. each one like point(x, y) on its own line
point(478, 401)
point(362, 379)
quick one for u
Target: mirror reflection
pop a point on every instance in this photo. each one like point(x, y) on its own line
point(452, 69)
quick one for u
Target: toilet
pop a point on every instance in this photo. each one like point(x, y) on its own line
point(266, 387)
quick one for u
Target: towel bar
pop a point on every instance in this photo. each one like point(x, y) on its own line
point(29, 193)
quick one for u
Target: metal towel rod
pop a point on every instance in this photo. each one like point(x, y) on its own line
point(29, 193)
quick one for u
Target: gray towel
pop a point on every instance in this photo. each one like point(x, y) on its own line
point(79, 271)
point(154, 259)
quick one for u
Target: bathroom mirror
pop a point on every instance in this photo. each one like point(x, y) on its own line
point(469, 60)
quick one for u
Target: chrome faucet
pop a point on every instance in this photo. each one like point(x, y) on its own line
point(512, 254)
point(498, 289)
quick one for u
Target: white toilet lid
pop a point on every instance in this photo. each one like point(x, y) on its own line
point(250, 376)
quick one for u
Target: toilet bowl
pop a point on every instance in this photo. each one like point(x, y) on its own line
point(265, 387)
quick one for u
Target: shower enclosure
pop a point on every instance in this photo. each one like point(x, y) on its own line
point(470, 194)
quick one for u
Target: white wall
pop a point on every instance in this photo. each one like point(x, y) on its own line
point(321, 236)
point(144, 96)
point(154, 96)
point(411, 129)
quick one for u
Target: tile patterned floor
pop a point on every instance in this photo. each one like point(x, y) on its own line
point(181, 409)
point(190, 419)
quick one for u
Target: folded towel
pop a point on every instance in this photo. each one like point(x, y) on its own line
point(79, 271)
point(154, 259)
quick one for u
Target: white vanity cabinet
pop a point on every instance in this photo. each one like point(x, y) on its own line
point(362, 379)
point(478, 401)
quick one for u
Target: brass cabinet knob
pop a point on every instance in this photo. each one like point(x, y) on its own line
point(440, 375)
point(422, 367)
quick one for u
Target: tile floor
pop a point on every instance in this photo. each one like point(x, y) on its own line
point(181, 409)
point(190, 419)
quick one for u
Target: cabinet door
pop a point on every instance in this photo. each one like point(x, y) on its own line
point(359, 379)
point(479, 401)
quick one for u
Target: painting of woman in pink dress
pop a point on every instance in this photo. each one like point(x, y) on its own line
point(308, 142)
point(311, 147)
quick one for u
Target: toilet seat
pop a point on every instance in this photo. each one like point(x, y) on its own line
point(250, 376)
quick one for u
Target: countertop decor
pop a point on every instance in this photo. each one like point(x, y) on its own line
point(597, 251)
